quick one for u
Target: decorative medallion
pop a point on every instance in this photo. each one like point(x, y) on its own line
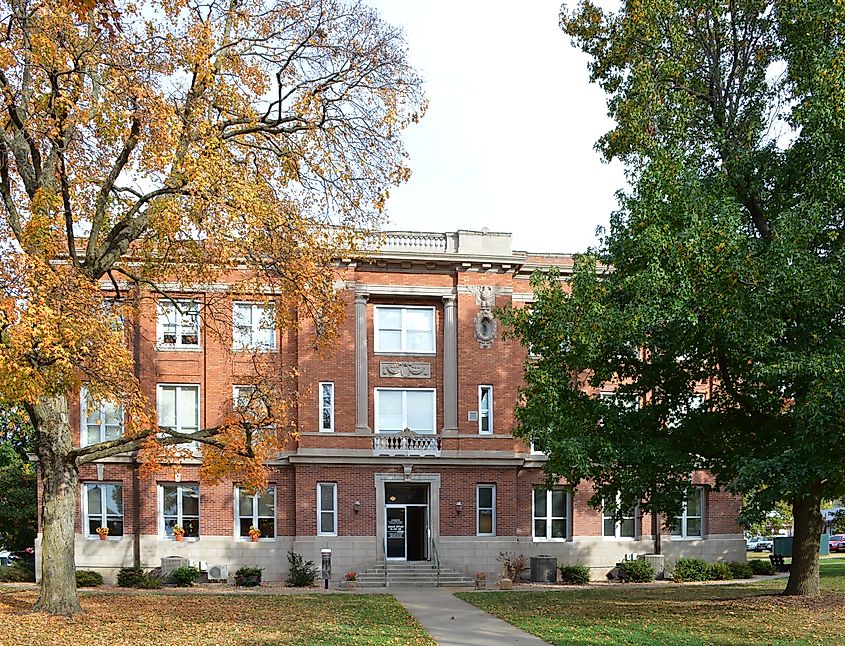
point(408, 369)
point(485, 323)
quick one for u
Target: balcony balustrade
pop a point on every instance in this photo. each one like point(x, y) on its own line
point(406, 443)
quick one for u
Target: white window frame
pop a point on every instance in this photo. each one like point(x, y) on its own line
point(255, 516)
point(257, 314)
point(192, 446)
point(86, 512)
point(479, 509)
point(178, 316)
point(322, 406)
point(488, 413)
point(320, 509)
point(433, 391)
point(403, 330)
point(84, 402)
point(180, 518)
point(567, 506)
point(617, 524)
point(683, 519)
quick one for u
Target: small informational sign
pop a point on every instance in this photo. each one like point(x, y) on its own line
point(395, 528)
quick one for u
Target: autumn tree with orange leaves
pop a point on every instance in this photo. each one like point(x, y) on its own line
point(149, 146)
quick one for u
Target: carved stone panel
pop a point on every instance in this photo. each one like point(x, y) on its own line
point(409, 369)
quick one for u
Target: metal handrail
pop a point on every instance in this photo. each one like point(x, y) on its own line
point(384, 560)
point(436, 556)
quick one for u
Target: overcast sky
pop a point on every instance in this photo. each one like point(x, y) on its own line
point(508, 140)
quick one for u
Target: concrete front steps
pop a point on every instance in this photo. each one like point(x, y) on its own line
point(413, 574)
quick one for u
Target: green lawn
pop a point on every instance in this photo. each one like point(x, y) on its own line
point(743, 613)
point(157, 618)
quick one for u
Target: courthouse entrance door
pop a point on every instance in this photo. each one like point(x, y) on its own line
point(406, 521)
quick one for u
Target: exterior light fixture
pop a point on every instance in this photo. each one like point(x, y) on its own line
point(356, 505)
point(458, 506)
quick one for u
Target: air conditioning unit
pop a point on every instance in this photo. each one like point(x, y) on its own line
point(218, 572)
point(170, 563)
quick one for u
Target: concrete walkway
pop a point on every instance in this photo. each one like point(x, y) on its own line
point(452, 622)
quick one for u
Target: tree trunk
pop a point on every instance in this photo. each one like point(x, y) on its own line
point(804, 574)
point(60, 488)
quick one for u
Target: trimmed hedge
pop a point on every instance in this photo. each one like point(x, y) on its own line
point(248, 577)
point(638, 571)
point(17, 572)
point(719, 571)
point(129, 577)
point(691, 570)
point(578, 574)
point(88, 579)
point(185, 576)
point(759, 566)
point(741, 570)
point(149, 582)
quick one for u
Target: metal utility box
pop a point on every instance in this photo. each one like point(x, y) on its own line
point(543, 569)
point(170, 563)
point(782, 545)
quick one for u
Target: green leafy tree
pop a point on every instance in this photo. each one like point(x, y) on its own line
point(727, 266)
point(18, 496)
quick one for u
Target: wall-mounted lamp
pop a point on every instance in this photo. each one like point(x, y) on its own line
point(458, 506)
point(356, 506)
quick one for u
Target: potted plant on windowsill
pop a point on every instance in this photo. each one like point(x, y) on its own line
point(254, 533)
point(178, 533)
point(102, 532)
point(351, 580)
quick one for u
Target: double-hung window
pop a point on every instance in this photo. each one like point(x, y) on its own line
point(485, 410)
point(612, 527)
point(326, 407)
point(689, 523)
point(485, 498)
point(179, 505)
point(103, 507)
point(249, 402)
point(178, 324)
point(254, 326)
point(179, 409)
point(327, 509)
point(101, 420)
point(398, 409)
point(404, 329)
point(550, 514)
point(256, 509)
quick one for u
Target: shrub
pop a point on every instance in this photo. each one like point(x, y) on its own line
point(88, 579)
point(759, 566)
point(302, 573)
point(638, 571)
point(690, 570)
point(17, 572)
point(741, 570)
point(248, 577)
point(719, 571)
point(149, 582)
point(185, 576)
point(578, 574)
point(129, 577)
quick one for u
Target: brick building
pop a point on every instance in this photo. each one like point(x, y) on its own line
point(404, 449)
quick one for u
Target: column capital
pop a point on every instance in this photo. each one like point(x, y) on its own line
point(362, 294)
point(449, 300)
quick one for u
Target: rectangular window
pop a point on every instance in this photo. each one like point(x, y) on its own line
point(326, 509)
point(398, 409)
point(689, 523)
point(250, 403)
point(256, 510)
point(326, 407)
point(613, 528)
point(179, 506)
point(103, 507)
point(550, 514)
point(101, 420)
point(179, 324)
point(625, 401)
point(404, 329)
point(485, 409)
point(179, 409)
point(254, 326)
point(485, 499)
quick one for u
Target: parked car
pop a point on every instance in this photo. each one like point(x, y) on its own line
point(758, 544)
point(837, 543)
point(6, 558)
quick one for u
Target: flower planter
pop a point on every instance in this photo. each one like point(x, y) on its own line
point(103, 537)
point(254, 538)
point(179, 537)
point(350, 585)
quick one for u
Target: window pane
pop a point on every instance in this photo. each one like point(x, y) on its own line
point(95, 505)
point(114, 500)
point(485, 496)
point(93, 435)
point(115, 525)
point(93, 523)
point(112, 413)
point(167, 406)
point(390, 341)
point(245, 524)
point(609, 528)
point(677, 530)
point(539, 528)
point(485, 521)
point(389, 318)
point(267, 527)
point(243, 315)
point(694, 503)
point(113, 432)
point(390, 410)
point(265, 503)
point(419, 320)
point(540, 503)
point(558, 529)
point(192, 527)
point(244, 504)
point(694, 527)
point(558, 503)
point(327, 497)
point(626, 528)
point(419, 341)
point(190, 500)
point(188, 409)
point(420, 413)
point(169, 501)
point(326, 522)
